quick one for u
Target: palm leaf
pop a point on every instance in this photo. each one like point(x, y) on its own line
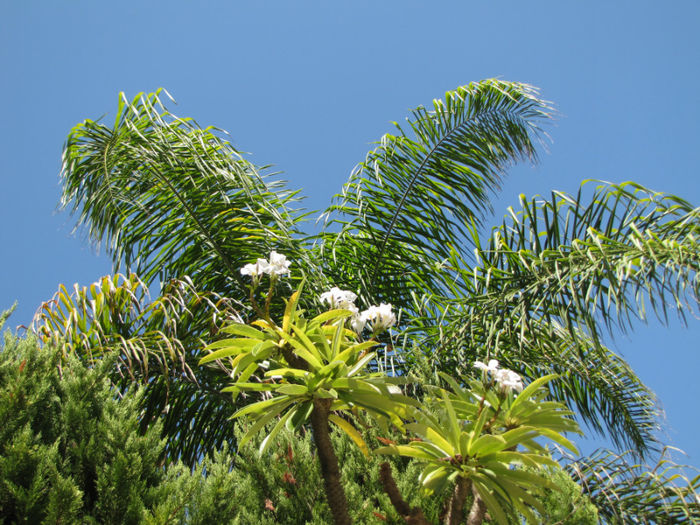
point(169, 199)
point(592, 380)
point(551, 278)
point(606, 258)
point(158, 344)
point(628, 492)
point(409, 202)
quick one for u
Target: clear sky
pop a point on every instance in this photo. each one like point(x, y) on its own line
point(307, 86)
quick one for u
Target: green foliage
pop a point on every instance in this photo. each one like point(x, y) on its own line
point(170, 199)
point(395, 226)
point(305, 360)
point(155, 344)
point(627, 491)
point(174, 201)
point(69, 450)
point(553, 276)
point(63, 428)
point(178, 201)
point(565, 504)
point(283, 487)
point(479, 433)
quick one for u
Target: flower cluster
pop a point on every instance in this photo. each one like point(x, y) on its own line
point(277, 265)
point(506, 379)
point(379, 317)
point(337, 298)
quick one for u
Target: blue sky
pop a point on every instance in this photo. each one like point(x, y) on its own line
point(307, 86)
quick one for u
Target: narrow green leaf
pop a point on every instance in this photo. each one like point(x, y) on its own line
point(221, 354)
point(243, 330)
point(293, 390)
point(273, 433)
point(530, 389)
point(350, 430)
point(290, 308)
point(301, 415)
point(302, 352)
point(284, 372)
point(260, 406)
point(487, 444)
point(261, 422)
point(332, 315)
point(353, 350)
point(433, 436)
point(357, 367)
point(491, 503)
point(405, 450)
point(476, 430)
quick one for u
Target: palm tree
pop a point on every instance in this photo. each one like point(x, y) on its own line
point(171, 200)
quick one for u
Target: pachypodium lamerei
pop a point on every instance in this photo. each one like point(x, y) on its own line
point(315, 370)
point(312, 370)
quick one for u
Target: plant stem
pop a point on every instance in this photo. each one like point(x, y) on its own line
point(330, 470)
point(268, 297)
point(478, 510)
point(254, 303)
point(412, 515)
point(455, 509)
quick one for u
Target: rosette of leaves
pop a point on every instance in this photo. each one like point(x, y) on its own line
point(315, 372)
point(476, 437)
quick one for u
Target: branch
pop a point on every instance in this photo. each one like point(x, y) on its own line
point(412, 515)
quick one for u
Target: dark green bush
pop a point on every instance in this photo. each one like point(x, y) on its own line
point(70, 450)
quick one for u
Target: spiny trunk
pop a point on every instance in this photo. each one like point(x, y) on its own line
point(329, 462)
point(478, 510)
point(456, 506)
point(412, 515)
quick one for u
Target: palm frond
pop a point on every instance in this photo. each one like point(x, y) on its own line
point(629, 492)
point(170, 199)
point(157, 344)
point(406, 206)
point(558, 272)
point(594, 382)
point(601, 262)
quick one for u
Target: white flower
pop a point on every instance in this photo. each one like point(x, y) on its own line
point(491, 367)
point(337, 298)
point(357, 323)
point(279, 265)
point(257, 269)
point(379, 317)
point(509, 380)
point(506, 379)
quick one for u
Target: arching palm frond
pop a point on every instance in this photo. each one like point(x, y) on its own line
point(407, 204)
point(629, 492)
point(598, 385)
point(592, 263)
point(158, 345)
point(557, 272)
point(170, 199)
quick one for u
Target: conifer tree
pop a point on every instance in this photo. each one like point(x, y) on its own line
point(70, 450)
